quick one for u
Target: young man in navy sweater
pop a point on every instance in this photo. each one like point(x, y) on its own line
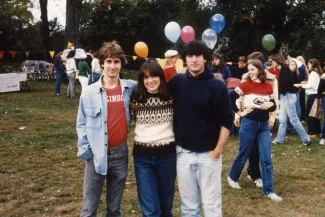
point(202, 121)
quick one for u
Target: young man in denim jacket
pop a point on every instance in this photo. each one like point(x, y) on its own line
point(102, 125)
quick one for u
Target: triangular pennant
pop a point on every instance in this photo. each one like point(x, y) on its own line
point(13, 53)
point(69, 44)
point(27, 53)
point(134, 57)
point(52, 53)
point(1, 54)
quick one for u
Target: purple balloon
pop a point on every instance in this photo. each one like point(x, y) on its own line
point(217, 23)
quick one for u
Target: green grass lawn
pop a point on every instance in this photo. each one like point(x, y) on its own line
point(42, 176)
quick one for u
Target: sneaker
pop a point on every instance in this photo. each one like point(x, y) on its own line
point(307, 143)
point(233, 184)
point(274, 197)
point(312, 136)
point(274, 142)
point(322, 141)
point(259, 183)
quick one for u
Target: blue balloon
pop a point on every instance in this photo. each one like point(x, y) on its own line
point(217, 23)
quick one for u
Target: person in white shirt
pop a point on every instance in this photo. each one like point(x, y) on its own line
point(71, 73)
point(311, 86)
point(95, 69)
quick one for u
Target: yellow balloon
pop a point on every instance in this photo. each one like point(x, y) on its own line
point(141, 49)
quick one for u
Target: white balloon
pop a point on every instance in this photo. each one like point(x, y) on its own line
point(210, 38)
point(172, 31)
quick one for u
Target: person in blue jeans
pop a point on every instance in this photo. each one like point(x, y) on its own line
point(59, 71)
point(288, 99)
point(154, 142)
point(102, 125)
point(258, 101)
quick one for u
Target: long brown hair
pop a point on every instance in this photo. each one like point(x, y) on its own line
point(316, 66)
point(261, 72)
point(154, 70)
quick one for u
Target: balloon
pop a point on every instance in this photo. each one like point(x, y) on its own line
point(187, 34)
point(268, 42)
point(217, 23)
point(210, 38)
point(172, 31)
point(141, 49)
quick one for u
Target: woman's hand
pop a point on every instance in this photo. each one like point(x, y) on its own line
point(267, 105)
point(237, 122)
point(245, 112)
point(304, 82)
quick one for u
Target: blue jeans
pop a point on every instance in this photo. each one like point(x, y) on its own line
point(155, 176)
point(199, 178)
point(313, 123)
point(93, 77)
point(58, 77)
point(298, 110)
point(288, 111)
point(251, 130)
point(253, 168)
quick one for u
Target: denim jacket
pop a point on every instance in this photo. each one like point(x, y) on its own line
point(92, 122)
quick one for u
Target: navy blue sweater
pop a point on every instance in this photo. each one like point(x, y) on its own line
point(201, 107)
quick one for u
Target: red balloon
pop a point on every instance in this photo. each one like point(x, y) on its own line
point(187, 34)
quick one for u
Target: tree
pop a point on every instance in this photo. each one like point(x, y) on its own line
point(45, 32)
point(71, 33)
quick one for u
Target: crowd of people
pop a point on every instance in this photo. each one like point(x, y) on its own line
point(182, 122)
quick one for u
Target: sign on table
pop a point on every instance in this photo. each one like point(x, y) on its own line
point(9, 82)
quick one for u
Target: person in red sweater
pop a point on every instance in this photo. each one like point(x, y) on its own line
point(170, 65)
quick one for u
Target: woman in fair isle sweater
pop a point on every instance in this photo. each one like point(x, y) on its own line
point(154, 142)
point(258, 101)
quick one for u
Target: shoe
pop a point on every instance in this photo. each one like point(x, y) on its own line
point(58, 94)
point(259, 183)
point(307, 143)
point(249, 177)
point(274, 142)
point(274, 197)
point(312, 136)
point(233, 184)
point(322, 141)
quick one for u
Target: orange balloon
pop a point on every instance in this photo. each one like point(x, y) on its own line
point(141, 49)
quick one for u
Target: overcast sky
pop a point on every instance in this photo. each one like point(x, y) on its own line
point(55, 8)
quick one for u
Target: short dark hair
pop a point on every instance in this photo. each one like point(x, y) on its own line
point(279, 59)
point(261, 72)
point(111, 49)
point(94, 53)
point(242, 59)
point(71, 54)
point(256, 56)
point(196, 47)
point(153, 68)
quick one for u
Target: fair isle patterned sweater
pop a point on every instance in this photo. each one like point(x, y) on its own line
point(153, 127)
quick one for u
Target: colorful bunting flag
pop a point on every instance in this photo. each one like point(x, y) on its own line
point(69, 44)
point(1, 54)
point(27, 53)
point(134, 57)
point(13, 53)
point(52, 53)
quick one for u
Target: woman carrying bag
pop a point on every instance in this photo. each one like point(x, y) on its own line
point(71, 72)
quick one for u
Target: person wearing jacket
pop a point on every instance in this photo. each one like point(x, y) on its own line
point(220, 68)
point(288, 98)
point(95, 69)
point(202, 121)
point(102, 124)
point(59, 72)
